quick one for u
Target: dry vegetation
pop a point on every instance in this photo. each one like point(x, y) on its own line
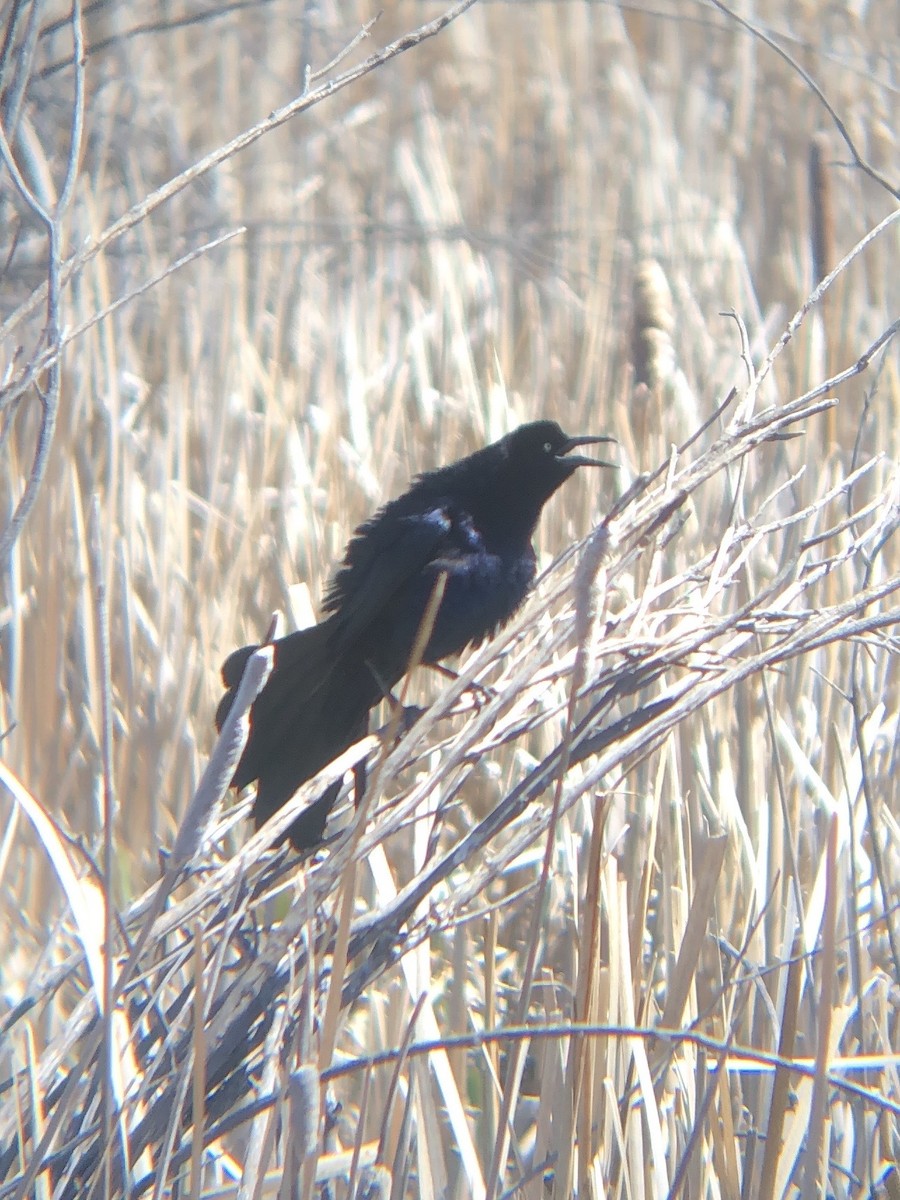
point(622, 921)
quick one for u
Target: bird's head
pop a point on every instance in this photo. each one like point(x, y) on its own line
point(542, 452)
point(504, 486)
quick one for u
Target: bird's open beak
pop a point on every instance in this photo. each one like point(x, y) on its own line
point(582, 460)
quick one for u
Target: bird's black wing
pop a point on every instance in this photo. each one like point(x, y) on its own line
point(320, 690)
point(385, 555)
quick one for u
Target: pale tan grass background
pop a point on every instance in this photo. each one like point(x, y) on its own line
point(542, 211)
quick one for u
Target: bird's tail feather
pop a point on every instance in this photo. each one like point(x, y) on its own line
point(315, 704)
point(302, 668)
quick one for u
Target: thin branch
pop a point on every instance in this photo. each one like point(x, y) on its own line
point(842, 129)
point(221, 154)
point(61, 274)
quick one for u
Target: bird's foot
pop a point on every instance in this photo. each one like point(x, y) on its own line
point(409, 714)
point(481, 694)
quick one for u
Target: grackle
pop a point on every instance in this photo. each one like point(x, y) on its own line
point(468, 525)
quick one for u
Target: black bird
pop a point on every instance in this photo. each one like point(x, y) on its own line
point(470, 523)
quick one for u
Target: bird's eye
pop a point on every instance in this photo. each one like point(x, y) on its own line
point(548, 447)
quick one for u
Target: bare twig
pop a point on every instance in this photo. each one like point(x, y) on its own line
point(839, 124)
point(140, 211)
point(53, 222)
point(61, 273)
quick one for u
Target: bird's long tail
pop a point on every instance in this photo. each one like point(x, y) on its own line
point(313, 707)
